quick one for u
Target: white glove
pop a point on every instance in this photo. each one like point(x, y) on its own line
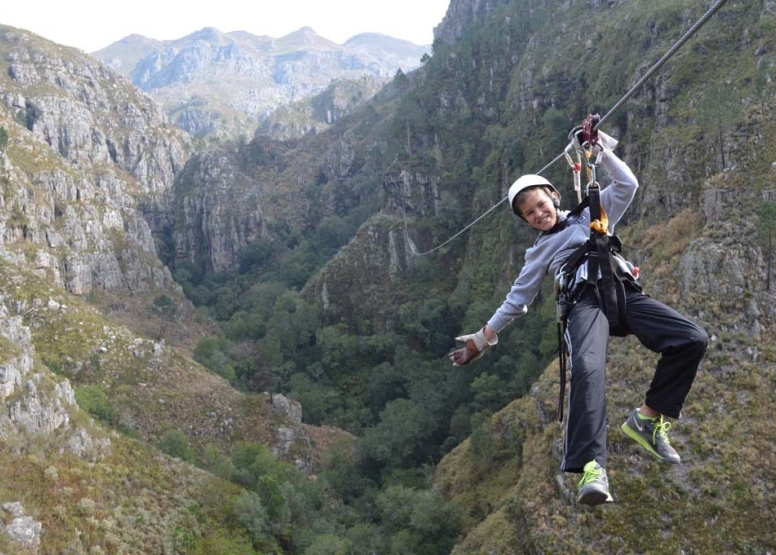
point(475, 345)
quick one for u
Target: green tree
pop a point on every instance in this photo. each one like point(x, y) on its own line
point(210, 352)
point(251, 461)
point(295, 323)
point(767, 231)
point(400, 80)
point(250, 512)
point(367, 538)
point(298, 264)
point(217, 464)
point(385, 384)
point(556, 126)
point(403, 430)
point(254, 256)
point(271, 494)
point(490, 392)
point(269, 348)
point(418, 521)
point(318, 400)
point(341, 470)
point(482, 447)
point(328, 544)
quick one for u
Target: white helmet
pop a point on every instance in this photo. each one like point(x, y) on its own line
point(526, 182)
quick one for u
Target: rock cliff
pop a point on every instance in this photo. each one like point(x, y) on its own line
point(226, 199)
point(88, 170)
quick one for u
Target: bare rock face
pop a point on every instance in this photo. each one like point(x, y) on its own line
point(24, 531)
point(88, 169)
point(218, 211)
point(89, 115)
point(378, 251)
point(225, 200)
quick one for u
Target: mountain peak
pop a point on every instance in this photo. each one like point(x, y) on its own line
point(207, 34)
point(130, 42)
point(372, 39)
point(305, 39)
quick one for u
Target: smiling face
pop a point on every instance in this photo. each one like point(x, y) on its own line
point(537, 207)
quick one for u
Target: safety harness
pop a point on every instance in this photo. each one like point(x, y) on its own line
point(600, 252)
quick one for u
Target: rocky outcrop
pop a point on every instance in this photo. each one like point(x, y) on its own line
point(24, 531)
point(284, 405)
point(88, 114)
point(226, 199)
point(378, 251)
point(35, 404)
point(217, 211)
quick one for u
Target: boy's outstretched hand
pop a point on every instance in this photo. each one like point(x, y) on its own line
point(475, 344)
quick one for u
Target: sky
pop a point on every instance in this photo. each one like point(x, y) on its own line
point(94, 24)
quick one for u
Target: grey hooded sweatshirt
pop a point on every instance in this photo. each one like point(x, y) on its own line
point(550, 250)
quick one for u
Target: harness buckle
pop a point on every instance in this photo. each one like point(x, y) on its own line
point(563, 301)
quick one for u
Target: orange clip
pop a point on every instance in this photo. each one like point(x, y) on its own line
point(601, 226)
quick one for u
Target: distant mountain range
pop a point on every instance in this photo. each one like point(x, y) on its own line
point(214, 84)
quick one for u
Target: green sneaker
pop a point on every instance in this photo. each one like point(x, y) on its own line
point(594, 485)
point(651, 434)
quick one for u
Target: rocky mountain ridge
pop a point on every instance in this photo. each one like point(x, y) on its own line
point(224, 84)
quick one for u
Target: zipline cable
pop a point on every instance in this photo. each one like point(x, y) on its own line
point(472, 224)
point(671, 51)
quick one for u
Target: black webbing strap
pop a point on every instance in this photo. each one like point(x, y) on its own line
point(564, 307)
point(563, 354)
point(599, 259)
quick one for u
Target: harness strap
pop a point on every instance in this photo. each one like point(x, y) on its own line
point(562, 361)
point(613, 300)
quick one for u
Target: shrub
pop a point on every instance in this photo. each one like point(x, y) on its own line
point(176, 444)
point(250, 512)
point(93, 400)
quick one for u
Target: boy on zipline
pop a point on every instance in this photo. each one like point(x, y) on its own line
point(680, 342)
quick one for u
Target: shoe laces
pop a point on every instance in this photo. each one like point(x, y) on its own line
point(590, 475)
point(661, 429)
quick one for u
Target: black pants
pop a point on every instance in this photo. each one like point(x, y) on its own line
point(661, 329)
